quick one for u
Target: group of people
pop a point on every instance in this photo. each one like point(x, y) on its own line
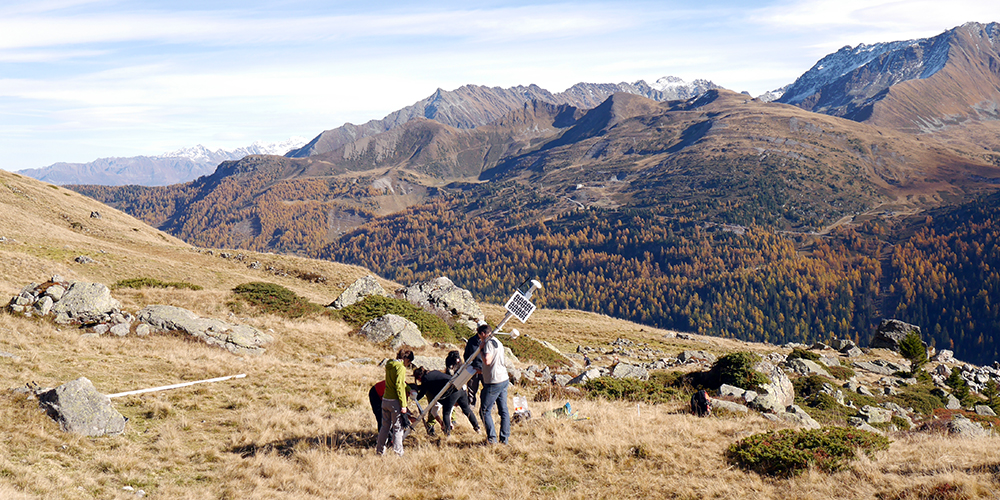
point(389, 397)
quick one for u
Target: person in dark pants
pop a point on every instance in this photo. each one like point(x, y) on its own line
point(375, 398)
point(470, 348)
point(431, 384)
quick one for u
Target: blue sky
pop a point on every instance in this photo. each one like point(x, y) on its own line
point(83, 79)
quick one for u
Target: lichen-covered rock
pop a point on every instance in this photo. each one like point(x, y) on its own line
point(392, 328)
point(441, 294)
point(626, 370)
point(805, 367)
point(964, 427)
point(238, 339)
point(357, 291)
point(85, 303)
point(777, 394)
point(81, 409)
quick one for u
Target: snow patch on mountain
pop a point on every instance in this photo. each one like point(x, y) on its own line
point(201, 154)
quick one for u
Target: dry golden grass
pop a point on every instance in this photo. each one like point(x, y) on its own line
point(299, 426)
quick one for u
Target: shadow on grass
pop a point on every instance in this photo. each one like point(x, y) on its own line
point(339, 440)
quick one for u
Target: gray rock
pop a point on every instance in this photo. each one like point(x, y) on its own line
point(425, 362)
point(561, 380)
point(585, 376)
point(890, 332)
point(985, 411)
point(357, 291)
point(731, 390)
point(695, 356)
point(441, 294)
point(805, 367)
point(722, 404)
point(777, 394)
point(625, 370)
point(237, 339)
point(852, 352)
point(85, 303)
point(392, 328)
point(44, 305)
point(799, 417)
point(953, 403)
point(842, 345)
point(80, 409)
point(829, 361)
point(875, 415)
point(964, 427)
point(83, 259)
point(861, 424)
point(142, 329)
point(944, 356)
point(121, 329)
point(877, 366)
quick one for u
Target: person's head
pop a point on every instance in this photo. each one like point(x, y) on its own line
point(418, 373)
point(484, 331)
point(405, 355)
point(454, 360)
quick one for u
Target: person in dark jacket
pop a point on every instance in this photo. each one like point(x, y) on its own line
point(433, 381)
point(470, 348)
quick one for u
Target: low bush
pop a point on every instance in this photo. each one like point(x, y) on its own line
point(788, 452)
point(525, 347)
point(653, 391)
point(139, 283)
point(270, 298)
point(921, 397)
point(736, 369)
point(431, 326)
point(804, 354)
point(841, 372)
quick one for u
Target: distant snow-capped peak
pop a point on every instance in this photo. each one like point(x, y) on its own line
point(200, 153)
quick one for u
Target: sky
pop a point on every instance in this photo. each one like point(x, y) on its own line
point(87, 79)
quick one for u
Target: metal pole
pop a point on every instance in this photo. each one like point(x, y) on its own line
point(175, 386)
point(506, 318)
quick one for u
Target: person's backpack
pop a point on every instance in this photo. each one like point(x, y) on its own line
point(701, 405)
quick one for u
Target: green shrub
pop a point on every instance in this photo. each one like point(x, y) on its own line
point(139, 283)
point(809, 386)
point(923, 398)
point(270, 298)
point(653, 391)
point(431, 326)
point(841, 372)
point(736, 368)
point(788, 452)
point(804, 354)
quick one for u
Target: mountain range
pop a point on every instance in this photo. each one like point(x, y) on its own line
point(839, 203)
point(169, 168)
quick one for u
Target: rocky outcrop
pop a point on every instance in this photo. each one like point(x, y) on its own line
point(441, 295)
point(890, 332)
point(74, 302)
point(962, 426)
point(81, 409)
point(394, 329)
point(357, 292)
point(238, 339)
point(777, 394)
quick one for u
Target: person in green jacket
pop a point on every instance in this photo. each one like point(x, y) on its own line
point(394, 403)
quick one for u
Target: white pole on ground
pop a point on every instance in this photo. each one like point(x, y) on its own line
point(174, 386)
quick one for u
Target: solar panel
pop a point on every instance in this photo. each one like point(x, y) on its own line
point(520, 306)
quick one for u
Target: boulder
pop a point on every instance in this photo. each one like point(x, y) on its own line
point(829, 361)
point(860, 423)
point(585, 376)
point(237, 339)
point(722, 404)
point(985, 411)
point(805, 367)
point(80, 409)
point(890, 332)
point(963, 427)
point(429, 362)
point(777, 394)
point(799, 417)
point(442, 295)
point(875, 415)
point(852, 352)
point(357, 291)
point(944, 356)
point(842, 345)
point(625, 370)
point(392, 328)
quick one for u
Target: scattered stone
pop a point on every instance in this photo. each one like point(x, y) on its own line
point(696, 356)
point(363, 287)
point(944, 356)
point(852, 352)
point(585, 376)
point(722, 404)
point(875, 415)
point(80, 409)
point(799, 417)
point(95, 215)
point(842, 345)
point(237, 339)
point(805, 367)
point(861, 424)
point(83, 259)
point(625, 370)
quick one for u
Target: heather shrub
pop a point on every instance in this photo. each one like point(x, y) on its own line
point(139, 283)
point(270, 298)
point(788, 452)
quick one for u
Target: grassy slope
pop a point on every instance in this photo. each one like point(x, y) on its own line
point(299, 425)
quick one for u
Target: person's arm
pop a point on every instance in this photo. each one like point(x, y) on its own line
point(489, 353)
